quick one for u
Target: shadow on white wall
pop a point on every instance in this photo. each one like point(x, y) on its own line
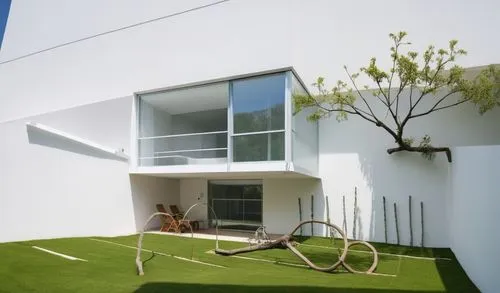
point(46, 139)
point(353, 154)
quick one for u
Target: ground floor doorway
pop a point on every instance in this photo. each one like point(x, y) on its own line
point(237, 203)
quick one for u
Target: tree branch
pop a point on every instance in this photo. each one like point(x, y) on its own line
point(379, 123)
point(396, 46)
point(359, 93)
point(389, 106)
point(401, 87)
point(439, 68)
point(422, 150)
point(411, 94)
point(357, 112)
point(434, 109)
point(452, 105)
point(381, 100)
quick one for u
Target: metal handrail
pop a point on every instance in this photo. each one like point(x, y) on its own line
point(192, 150)
point(238, 199)
point(258, 132)
point(183, 134)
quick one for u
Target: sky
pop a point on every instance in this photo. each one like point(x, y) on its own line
point(4, 14)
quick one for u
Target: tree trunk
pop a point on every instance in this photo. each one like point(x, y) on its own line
point(278, 243)
point(406, 148)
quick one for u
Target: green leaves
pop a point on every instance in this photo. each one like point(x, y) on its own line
point(339, 99)
point(408, 140)
point(432, 74)
point(426, 146)
point(375, 73)
point(483, 91)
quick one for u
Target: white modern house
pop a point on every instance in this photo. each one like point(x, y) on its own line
point(108, 108)
point(233, 133)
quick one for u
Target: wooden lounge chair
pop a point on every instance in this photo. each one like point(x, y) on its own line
point(176, 212)
point(169, 223)
point(178, 215)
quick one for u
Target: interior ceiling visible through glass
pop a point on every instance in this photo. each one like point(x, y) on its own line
point(188, 100)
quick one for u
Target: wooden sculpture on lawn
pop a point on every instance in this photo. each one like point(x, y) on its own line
point(286, 242)
point(283, 242)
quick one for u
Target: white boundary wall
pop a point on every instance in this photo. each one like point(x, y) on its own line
point(474, 203)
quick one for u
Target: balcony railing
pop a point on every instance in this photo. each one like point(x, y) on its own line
point(184, 149)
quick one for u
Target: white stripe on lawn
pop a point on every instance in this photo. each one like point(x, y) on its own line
point(381, 253)
point(59, 254)
point(159, 253)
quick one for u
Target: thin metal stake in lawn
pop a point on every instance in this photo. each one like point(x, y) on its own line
point(327, 216)
point(312, 215)
point(354, 213)
point(300, 216)
point(343, 208)
point(344, 223)
point(396, 219)
point(422, 221)
point(385, 220)
point(411, 228)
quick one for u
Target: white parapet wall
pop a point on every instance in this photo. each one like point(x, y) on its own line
point(474, 200)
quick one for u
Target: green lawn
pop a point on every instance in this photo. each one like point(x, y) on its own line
point(111, 268)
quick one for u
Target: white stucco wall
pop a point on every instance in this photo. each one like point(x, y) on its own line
point(50, 187)
point(168, 52)
point(281, 207)
point(147, 192)
point(353, 154)
point(193, 191)
point(474, 214)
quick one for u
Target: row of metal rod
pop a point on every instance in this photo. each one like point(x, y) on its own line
point(355, 216)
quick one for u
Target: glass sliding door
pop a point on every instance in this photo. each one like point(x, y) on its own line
point(258, 107)
point(237, 204)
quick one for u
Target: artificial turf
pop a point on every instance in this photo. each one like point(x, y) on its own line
point(111, 268)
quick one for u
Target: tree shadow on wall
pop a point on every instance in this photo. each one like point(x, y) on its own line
point(396, 177)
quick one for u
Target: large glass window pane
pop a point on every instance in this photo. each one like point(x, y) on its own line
point(259, 147)
point(237, 205)
point(259, 103)
point(184, 126)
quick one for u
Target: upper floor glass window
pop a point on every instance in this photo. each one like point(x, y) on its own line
point(259, 103)
point(259, 118)
point(185, 126)
point(240, 120)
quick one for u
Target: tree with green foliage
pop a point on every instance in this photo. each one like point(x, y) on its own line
point(432, 76)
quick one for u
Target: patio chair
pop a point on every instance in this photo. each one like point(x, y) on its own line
point(167, 223)
point(178, 215)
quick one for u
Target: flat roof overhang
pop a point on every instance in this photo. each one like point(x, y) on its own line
point(234, 170)
point(225, 79)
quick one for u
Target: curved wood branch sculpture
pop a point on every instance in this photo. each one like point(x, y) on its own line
point(285, 241)
point(139, 263)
